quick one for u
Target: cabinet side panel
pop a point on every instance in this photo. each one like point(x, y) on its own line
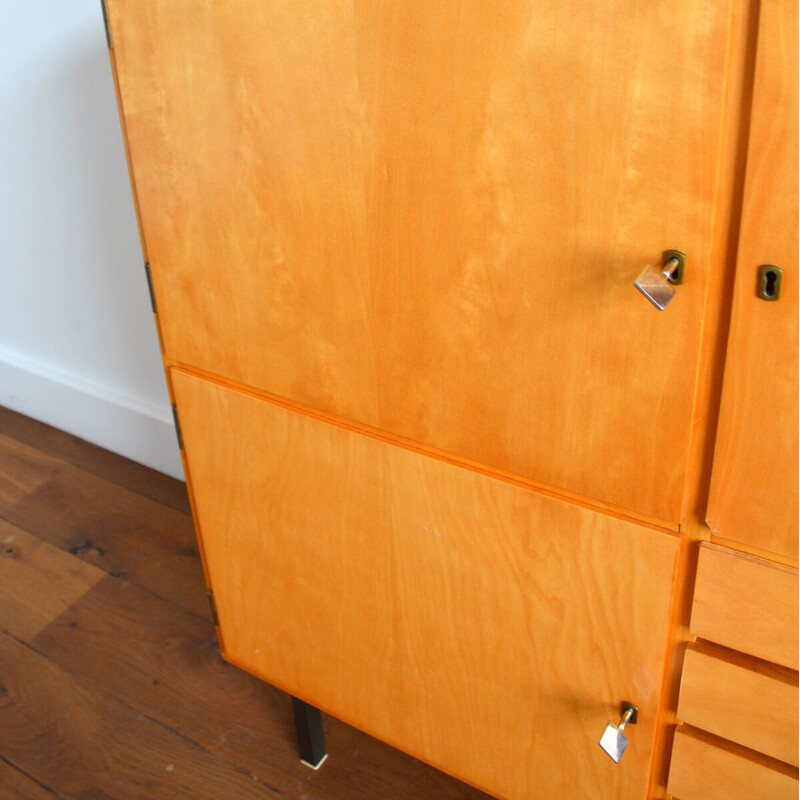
point(754, 494)
point(484, 628)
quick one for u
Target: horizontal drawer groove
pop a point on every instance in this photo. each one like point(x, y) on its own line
point(626, 515)
point(747, 604)
point(739, 750)
point(747, 661)
point(750, 707)
point(706, 768)
point(749, 550)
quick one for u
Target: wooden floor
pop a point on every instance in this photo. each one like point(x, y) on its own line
point(111, 683)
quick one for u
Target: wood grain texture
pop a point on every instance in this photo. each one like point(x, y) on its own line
point(15, 785)
point(96, 745)
point(58, 444)
point(451, 615)
point(164, 663)
point(38, 582)
point(124, 645)
point(748, 604)
point(22, 470)
point(428, 219)
point(754, 494)
point(743, 705)
point(702, 771)
point(716, 313)
point(121, 532)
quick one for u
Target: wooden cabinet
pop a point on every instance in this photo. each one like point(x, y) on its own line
point(449, 468)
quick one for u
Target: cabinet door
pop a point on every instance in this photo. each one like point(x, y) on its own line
point(428, 217)
point(754, 484)
point(478, 625)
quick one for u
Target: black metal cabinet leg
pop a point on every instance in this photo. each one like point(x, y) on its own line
point(310, 737)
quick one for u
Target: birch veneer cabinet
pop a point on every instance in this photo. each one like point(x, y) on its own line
point(450, 470)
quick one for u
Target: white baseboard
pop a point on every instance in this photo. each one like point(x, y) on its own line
point(140, 431)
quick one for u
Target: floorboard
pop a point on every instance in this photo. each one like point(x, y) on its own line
point(79, 453)
point(38, 582)
point(164, 662)
point(22, 470)
point(96, 745)
point(122, 532)
point(111, 681)
point(15, 785)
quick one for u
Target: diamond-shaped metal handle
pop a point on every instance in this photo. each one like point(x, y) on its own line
point(613, 740)
point(658, 285)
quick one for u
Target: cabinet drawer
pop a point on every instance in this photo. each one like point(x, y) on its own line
point(737, 703)
point(747, 604)
point(469, 621)
point(702, 771)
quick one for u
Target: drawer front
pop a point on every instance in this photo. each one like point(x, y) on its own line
point(747, 604)
point(483, 627)
point(702, 771)
point(750, 708)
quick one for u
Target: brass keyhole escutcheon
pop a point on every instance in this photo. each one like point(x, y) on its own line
point(770, 278)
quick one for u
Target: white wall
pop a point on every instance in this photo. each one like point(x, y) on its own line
point(78, 346)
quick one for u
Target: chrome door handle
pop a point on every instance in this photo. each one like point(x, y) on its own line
point(613, 740)
point(658, 286)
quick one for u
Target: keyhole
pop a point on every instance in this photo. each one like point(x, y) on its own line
point(673, 275)
point(674, 265)
point(769, 282)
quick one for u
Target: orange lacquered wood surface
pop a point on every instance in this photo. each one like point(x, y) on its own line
point(754, 493)
point(701, 770)
point(746, 603)
point(484, 628)
point(746, 703)
point(427, 218)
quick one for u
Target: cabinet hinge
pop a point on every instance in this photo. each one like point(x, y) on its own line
point(150, 286)
point(177, 426)
point(107, 26)
point(213, 603)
